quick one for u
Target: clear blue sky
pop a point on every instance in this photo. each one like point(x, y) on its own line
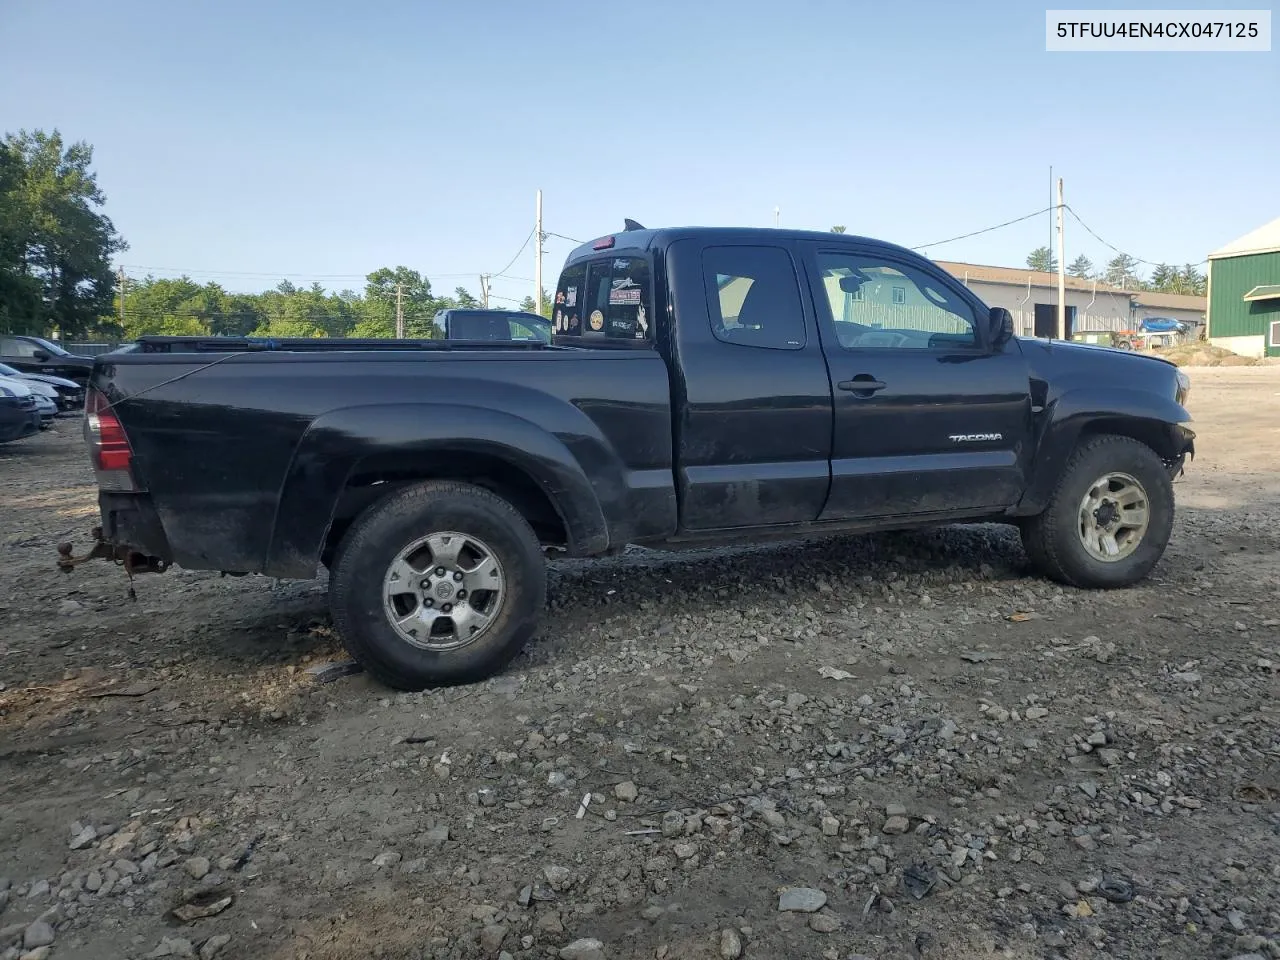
point(325, 138)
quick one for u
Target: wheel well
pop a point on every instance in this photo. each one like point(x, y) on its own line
point(1153, 433)
point(376, 477)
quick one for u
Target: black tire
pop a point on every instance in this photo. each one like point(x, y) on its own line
point(1052, 539)
point(389, 526)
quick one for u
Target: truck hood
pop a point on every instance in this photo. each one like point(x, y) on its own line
point(1061, 367)
point(1075, 356)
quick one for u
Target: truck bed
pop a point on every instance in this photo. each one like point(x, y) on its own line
point(247, 454)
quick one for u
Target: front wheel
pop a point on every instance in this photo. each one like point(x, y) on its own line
point(1109, 519)
point(438, 583)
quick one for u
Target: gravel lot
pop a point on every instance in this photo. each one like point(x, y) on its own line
point(890, 747)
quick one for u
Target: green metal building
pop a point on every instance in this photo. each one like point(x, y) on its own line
point(1244, 293)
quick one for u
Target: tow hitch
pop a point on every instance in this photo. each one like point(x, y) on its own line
point(121, 554)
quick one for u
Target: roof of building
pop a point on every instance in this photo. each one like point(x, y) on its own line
point(1017, 277)
point(1266, 239)
point(1170, 301)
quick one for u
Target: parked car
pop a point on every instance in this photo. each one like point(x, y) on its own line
point(47, 409)
point(71, 394)
point(19, 416)
point(68, 395)
point(511, 325)
point(37, 355)
point(705, 386)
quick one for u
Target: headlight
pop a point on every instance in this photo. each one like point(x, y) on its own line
point(1184, 386)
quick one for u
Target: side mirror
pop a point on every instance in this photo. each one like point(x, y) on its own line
point(1000, 326)
point(40, 355)
point(852, 283)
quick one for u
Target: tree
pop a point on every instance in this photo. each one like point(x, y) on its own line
point(170, 307)
point(1163, 278)
point(377, 314)
point(57, 245)
point(1042, 259)
point(527, 305)
point(839, 229)
point(1081, 267)
point(240, 315)
point(1122, 271)
point(19, 291)
point(1190, 281)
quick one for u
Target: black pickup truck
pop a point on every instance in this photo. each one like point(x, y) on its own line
point(703, 386)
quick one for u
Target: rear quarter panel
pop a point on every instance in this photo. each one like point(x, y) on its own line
point(245, 457)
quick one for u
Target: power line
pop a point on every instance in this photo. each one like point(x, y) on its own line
point(244, 273)
point(518, 252)
point(998, 226)
point(562, 237)
point(1150, 263)
point(190, 271)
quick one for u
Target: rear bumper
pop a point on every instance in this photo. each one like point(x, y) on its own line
point(131, 520)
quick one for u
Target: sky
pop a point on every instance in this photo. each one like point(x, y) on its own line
point(244, 142)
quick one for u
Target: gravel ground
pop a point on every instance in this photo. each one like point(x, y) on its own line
point(890, 747)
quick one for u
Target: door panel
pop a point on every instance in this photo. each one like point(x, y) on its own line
point(753, 431)
point(928, 420)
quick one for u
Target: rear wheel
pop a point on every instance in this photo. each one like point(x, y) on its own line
point(1109, 519)
point(438, 583)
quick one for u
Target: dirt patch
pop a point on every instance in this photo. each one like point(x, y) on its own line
point(1203, 355)
point(1098, 777)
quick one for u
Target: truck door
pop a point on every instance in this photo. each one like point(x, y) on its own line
point(749, 387)
point(929, 417)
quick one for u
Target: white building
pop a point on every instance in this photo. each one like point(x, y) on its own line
point(1032, 297)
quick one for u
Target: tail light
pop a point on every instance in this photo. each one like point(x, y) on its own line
point(108, 445)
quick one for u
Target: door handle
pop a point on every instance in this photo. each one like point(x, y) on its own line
point(862, 384)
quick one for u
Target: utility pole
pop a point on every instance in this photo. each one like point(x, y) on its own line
point(538, 237)
point(399, 311)
point(777, 215)
point(123, 281)
point(1062, 272)
point(484, 290)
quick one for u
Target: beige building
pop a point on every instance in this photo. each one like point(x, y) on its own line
point(1032, 297)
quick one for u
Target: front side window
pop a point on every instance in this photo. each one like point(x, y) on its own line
point(753, 297)
point(606, 299)
point(523, 331)
point(882, 304)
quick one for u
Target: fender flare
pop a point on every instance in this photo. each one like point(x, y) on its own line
point(335, 443)
point(1155, 420)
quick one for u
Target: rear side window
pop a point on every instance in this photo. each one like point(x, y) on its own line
point(566, 315)
point(606, 299)
point(17, 348)
point(753, 297)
